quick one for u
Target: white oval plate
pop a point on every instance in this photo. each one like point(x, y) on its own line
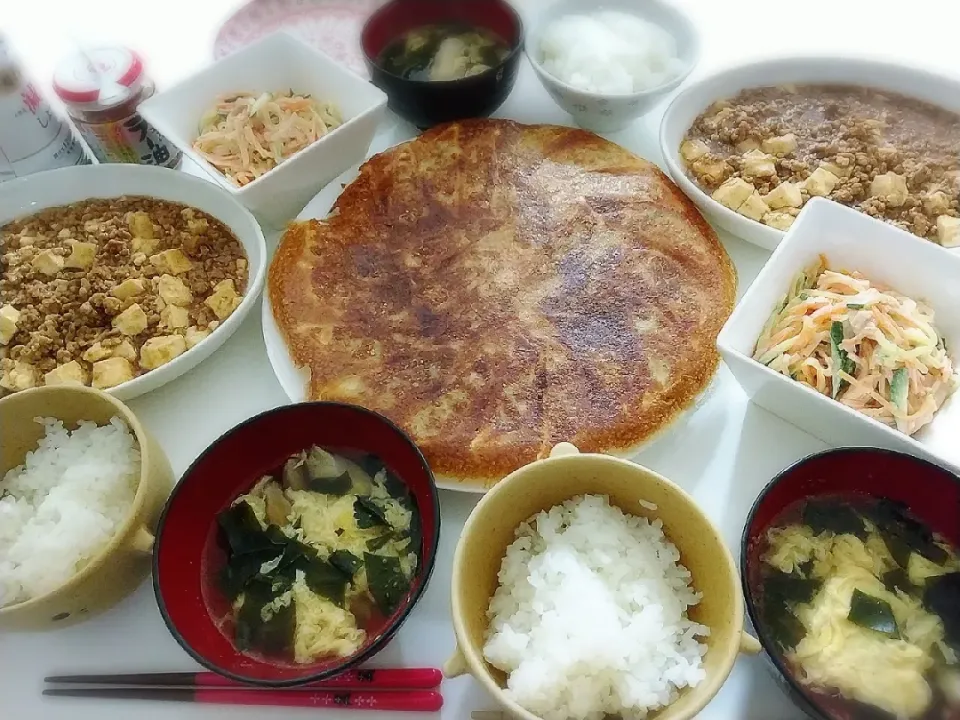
point(31, 194)
point(294, 380)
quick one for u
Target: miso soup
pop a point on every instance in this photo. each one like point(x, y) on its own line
point(448, 51)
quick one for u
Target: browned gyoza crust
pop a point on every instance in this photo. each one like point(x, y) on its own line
point(496, 288)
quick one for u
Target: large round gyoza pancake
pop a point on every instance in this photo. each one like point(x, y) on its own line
point(496, 288)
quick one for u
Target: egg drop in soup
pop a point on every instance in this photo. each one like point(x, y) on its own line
point(863, 601)
point(310, 564)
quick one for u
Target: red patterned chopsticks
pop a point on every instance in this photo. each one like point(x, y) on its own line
point(399, 689)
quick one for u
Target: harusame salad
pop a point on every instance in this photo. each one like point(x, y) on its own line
point(244, 135)
point(862, 344)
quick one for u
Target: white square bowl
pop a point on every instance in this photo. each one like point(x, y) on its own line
point(277, 62)
point(884, 254)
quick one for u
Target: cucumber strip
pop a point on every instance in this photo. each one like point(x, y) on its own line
point(838, 357)
point(899, 386)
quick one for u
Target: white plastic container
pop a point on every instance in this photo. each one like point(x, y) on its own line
point(32, 137)
point(277, 62)
point(884, 254)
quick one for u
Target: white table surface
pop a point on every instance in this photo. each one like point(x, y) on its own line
point(723, 455)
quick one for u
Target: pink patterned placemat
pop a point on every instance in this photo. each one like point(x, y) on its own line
point(332, 26)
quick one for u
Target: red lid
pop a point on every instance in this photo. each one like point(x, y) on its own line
point(104, 76)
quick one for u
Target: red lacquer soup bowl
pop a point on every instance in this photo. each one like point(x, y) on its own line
point(427, 103)
point(187, 556)
point(929, 492)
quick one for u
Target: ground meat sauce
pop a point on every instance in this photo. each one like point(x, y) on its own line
point(101, 291)
point(889, 156)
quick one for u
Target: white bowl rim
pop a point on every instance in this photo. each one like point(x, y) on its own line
point(222, 180)
point(683, 18)
point(130, 388)
point(855, 63)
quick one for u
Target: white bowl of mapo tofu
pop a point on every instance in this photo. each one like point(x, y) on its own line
point(120, 277)
point(753, 144)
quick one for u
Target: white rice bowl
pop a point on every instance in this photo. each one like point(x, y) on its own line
point(63, 505)
point(590, 617)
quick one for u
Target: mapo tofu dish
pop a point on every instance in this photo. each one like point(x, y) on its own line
point(101, 291)
point(767, 151)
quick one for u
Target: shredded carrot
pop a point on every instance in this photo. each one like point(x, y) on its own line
point(880, 338)
point(246, 135)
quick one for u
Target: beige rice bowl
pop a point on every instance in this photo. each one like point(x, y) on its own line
point(64, 504)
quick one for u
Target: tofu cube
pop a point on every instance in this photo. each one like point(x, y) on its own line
point(161, 350)
point(174, 316)
point(9, 317)
point(125, 350)
point(747, 145)
point(948, 231)
point(821, 183)
point(111, 372)
point(780, 145)
point(141, 226)
point(733, 193)
point(888, 153)
point(758, 164)
point(131, 287)
point(841, 171)
point(70, 373)
point(171, 261)
point(48, 262)
point(754, 207)
point(22, 376)
point(890, 187)
point(711, 171)
point(144, 246)
point(131, 321)
point(778, 220)
point(81, 255)
point(936, 203)
point(224, 299)
point(174, 291)
point(691, 150)
point(194, 336)
point(784, 195)
point(96, 352)
point(198, 226)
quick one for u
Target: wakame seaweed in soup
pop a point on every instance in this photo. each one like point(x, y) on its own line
point(863, 602)
point(318, 555)
point(448, 51)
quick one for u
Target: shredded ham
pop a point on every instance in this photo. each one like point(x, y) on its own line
point(883, 333)
point(245, 135)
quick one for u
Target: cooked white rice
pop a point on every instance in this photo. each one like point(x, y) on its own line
point(64, 503)
point(609, 52)
point(590, 617)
